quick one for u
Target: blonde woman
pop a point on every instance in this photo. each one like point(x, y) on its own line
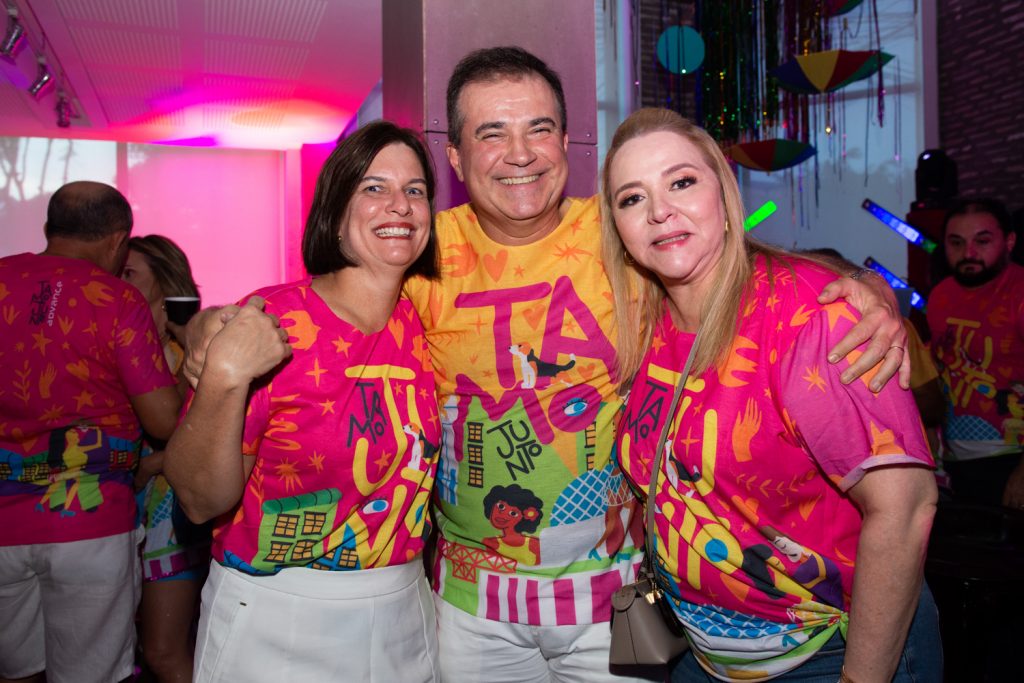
point(794, 509)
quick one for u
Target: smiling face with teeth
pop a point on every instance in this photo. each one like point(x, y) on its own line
point(387, 222)
point(667, 204)
point(512, 157)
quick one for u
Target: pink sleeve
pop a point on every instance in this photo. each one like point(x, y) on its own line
point(141, 366)
point(847, 429)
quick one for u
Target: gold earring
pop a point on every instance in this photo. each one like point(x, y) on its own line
point(727, 225)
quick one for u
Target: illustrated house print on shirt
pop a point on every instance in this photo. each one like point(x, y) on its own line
point(292, 527)
point(475, 451)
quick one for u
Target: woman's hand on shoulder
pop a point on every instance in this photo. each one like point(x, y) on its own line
point(250, 344)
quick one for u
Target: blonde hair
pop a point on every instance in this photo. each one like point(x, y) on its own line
point(638, 295)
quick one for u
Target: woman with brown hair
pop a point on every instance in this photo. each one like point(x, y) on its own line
point(175, 553)
point(314, 445)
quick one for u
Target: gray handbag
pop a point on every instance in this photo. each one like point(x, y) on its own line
point(645, 630)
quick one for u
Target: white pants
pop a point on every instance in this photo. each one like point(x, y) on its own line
point(478, 650)
point(370, 625)
point(69, 608)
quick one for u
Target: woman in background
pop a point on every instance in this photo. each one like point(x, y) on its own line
point(175, 554)
point(794, 510)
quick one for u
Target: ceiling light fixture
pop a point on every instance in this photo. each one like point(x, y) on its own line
point(43, 79)
point(14, 35)
point(64, 111)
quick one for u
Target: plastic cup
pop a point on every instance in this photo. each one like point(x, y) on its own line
point(180, 308)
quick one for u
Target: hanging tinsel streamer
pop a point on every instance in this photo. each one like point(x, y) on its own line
point(635, 35)
point(770, 57)
point(878, 47)
point(671, 82)
point(738, 100)
point(867, 144)
point(897, 128)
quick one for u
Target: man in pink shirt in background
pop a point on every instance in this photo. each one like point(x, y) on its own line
point(976, 316)
point(82, 375)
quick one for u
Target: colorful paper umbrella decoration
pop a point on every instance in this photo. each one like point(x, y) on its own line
point(770, 155)
point(834, 8)
point(821, 72)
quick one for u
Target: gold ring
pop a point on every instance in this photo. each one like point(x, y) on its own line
point(897, 346)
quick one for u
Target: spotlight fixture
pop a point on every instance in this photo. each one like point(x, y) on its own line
point(14, 35)
point(43, 79)
point(64, 112)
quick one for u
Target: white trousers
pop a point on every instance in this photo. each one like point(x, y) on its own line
point(367, 626)
point(69, 608)
point(480, 650)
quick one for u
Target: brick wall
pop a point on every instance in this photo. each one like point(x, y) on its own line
point(981, 95)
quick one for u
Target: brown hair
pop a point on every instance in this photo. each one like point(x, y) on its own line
point(170, 266)
point(989, 205)
point(337, 183)
point(493, 64)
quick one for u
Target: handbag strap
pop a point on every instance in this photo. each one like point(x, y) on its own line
point(656, 468)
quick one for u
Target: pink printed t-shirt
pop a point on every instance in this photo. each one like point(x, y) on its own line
point(978, 341)
point(756, 538)
point(345, 438)
point(77, 343)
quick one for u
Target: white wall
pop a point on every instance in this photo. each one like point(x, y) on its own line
point(224, 207)
point(31, 169)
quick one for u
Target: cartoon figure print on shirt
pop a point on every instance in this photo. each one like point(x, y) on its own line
point(817, 573)
point(515, 512)
point(67, 459)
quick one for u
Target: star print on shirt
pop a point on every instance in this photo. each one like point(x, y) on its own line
point(341, 346)
point(814, 379)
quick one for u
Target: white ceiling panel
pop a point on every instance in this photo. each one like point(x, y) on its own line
point(295, 71)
